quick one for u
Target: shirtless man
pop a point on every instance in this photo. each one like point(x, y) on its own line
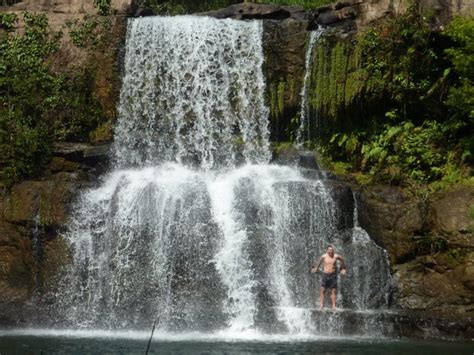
point(329, 276)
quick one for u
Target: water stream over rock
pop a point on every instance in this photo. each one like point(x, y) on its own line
point(303, 132)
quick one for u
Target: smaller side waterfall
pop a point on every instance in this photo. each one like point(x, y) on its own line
point(303, 130)
point(376, 259)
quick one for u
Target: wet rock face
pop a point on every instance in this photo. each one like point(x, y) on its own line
point(33, 215)
point(16, 277)
point(45, 200)
point(449, 212)
point(391, 219)
point(422, 288)
point(285, 33)
point(342, 195)
point(430, 244)
point(284, 47)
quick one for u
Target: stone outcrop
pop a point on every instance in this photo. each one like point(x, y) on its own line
point(284, 48)
point(365, 12)
point(334, 16)
point(448, 215)
point(437, 285)
point(431, 247)
point(33, 216)
point(69, 7)
point(391, 219)
point(250, 11)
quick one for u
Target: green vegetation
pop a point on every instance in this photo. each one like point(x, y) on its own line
point(398, 101)
point(38, 103)
point(461, 95)
point(90, 33)
point(29, 93)
point(103, 6)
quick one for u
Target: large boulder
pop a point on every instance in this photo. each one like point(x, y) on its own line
point(250, 11)
point(430, 246)
point(392, 219)
point(450, 214)
point(442, 10)
point(45, 202)
point(422, 288)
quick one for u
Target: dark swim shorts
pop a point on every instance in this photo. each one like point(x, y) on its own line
point(329, 280)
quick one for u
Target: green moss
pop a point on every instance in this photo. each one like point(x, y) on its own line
point(103, 133)
point(279, 147)
point(451, 258)
point(281, 97)
point(273, 101)
point(280, 94)
point(293, 92)
point(337, 78)
point(471, 212)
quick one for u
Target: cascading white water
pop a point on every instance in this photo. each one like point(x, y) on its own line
point(377, 259)
point(194, 227)
point(303, 130)
point(192, 91)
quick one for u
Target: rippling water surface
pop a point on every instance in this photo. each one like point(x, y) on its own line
point(108, 342)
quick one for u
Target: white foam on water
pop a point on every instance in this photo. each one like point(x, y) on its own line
point(163, 336)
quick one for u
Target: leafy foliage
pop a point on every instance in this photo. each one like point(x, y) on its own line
point(103, 6)
point(88, 33)
point(409, 117)
point(7, 21)
point(37, 104)
point(29, 93)
point(461, 95)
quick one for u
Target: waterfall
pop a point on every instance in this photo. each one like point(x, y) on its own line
point(303, 130)
point(170, 109)
point(193, 226)
point(376, 258)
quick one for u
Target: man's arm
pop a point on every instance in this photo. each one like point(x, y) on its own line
point(316, 268)
point(343, 264)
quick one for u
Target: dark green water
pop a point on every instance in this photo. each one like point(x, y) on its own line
point(131, 343)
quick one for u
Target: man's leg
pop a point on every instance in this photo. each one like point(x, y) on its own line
point(321, 297)
point(333, 297)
